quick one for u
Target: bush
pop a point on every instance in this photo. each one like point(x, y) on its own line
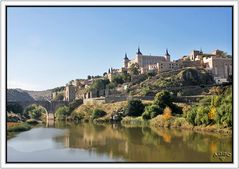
point(179, 122)
point(62, 112)
point(97, 113)
point(145, 91)
point(32, 121)
point(77, 116)
point(117, 79)
point(134, 69)
point(134, 108)
point(146, 116)
point(73, 105)
point(175, 109)
point(12, 117)
point(217, 109)
point(202, 116)
point(19, 127)
point(167, 113)
point(151, 111)
point(161, 121)
point(162, 99)
point(212, 114)
point(133, 121)
point(191, 114)
point(99, 84)
point(35, 111)
point(15, 108)
point(224, 116)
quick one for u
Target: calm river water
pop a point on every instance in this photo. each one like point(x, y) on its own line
point(88, 142)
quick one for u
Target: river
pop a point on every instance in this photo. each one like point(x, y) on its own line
point(89, 142)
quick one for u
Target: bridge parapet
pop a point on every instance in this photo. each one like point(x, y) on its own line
point(50, 106)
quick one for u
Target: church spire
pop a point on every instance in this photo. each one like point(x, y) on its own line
point(139, 53)
point(167, 54)
point(125, 56)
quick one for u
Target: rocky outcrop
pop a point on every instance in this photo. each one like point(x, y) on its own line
point(19, 95)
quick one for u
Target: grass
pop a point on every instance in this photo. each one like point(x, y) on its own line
point(14, 127)
point(134, 121)
point(182, 123)
point(32, 122)
point(172, 122)
point(17, 127)
point(110, 108)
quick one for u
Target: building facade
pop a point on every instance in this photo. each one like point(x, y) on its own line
point(150, 63)
point(70, 93)
point(219, 67)
point(217, 63)
point(145, 60)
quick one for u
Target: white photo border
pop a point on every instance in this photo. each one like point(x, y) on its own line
point(3, 86)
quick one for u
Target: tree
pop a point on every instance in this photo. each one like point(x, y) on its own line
point(99, 84)
point(62, 112)
point(59, 97)
point(134, 69)
point(35, 111)
point(151, 111)
point(134, 108)
point(15, 108)
point(191, 114)
point(105, 73)
point(163, 99)
point(202, 116)
point(212, 114)
point(58, 89)
point(88, 77)
point(97, 113)
point(125, 76)
point(117, 79)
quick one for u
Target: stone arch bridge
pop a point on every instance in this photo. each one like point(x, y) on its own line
point(50, 106)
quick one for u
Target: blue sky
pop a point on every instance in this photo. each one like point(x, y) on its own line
point(47, 47)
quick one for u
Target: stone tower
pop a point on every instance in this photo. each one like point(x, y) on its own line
point(139, 52)
point(70, 93)
point(126, 61)
point(167, 56)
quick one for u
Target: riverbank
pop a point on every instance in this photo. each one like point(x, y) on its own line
point(16, 127)
point(175, 123)
point(115, 113)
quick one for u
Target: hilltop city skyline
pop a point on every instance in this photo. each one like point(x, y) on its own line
point(52, 46)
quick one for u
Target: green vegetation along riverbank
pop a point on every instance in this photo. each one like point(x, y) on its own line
point(213, 113)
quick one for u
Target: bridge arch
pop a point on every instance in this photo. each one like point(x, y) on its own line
point(50, 106)
point(35, 106)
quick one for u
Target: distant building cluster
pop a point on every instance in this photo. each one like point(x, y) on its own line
point(72, 89)
point(217, 63)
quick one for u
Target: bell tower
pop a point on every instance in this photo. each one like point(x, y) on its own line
point(126, 61)
point(167, 56)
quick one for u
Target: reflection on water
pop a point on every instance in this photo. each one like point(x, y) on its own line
point(90, 142)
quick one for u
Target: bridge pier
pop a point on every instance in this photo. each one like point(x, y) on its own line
point(50, 106)
point(50, 116)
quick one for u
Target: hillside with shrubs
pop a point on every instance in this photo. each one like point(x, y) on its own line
point(211, 113)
